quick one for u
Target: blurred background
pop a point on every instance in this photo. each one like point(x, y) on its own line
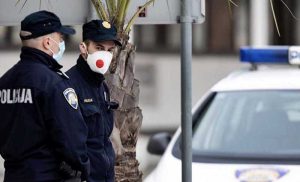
point(216, 43)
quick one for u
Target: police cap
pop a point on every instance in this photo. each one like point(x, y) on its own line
point(42, 23)
point(98, 31)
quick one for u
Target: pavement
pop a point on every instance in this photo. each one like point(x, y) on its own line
point(159, 76)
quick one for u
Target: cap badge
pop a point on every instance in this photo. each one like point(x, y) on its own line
point(106, 24)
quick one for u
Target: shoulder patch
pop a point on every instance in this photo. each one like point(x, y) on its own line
point(71, 97)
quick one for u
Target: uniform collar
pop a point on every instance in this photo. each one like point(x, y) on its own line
point(88, 74)
point(32, 54)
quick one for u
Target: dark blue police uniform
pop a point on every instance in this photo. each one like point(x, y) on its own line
point(97, 112)
point(39, 125)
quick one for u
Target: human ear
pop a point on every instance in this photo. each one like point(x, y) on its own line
point(46, 43)
point(83, 49)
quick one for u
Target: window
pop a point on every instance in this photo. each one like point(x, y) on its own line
point(249, 122)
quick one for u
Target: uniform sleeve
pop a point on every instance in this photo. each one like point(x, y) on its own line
point(67, 128)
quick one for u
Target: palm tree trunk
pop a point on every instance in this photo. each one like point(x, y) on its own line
point(124, 89)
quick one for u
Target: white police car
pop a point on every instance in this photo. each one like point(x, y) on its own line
point(245, 129)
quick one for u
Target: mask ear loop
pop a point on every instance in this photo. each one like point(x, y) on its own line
point(50, 48)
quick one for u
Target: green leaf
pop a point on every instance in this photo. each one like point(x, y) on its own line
point(96, 8)
point(100, 9)
point(111, 8)
point(126, 8)
point(121, 13)
point(131, 21)
point(114, 6)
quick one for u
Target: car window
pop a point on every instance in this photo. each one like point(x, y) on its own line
point(249, 122)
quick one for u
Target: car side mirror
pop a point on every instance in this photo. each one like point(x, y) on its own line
point(158, 143)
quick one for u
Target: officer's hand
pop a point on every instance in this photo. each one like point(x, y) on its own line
point(66, 171)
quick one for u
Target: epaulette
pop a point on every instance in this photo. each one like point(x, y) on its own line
point(63, 74)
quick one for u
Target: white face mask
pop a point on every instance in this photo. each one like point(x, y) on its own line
point(99, 61)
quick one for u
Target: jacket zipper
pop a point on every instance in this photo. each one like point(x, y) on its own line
point(104, 125)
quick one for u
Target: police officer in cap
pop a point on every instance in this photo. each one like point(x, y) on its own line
point(87, 76)
point(41, 128)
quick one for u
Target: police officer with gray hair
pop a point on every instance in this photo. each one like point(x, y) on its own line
point(42, 132)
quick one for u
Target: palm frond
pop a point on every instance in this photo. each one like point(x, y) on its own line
point(274, 17)
point(103, 11)
point(131, 21)
point(100, 9)
point(126, 8)
point(120, 16)
point(18, 1)
point(287, 7)
point(96, 7)
point(23, 4)
point(232, 2)
point(114, 8)
point(229, 8)
point(118, 4)
point(111, 8)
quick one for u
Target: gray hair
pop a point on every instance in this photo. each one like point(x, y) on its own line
point(34, 42)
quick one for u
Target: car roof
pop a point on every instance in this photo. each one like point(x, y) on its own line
point(264, 78)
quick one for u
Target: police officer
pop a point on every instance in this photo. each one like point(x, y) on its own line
point(41, 125)
point(99, 41)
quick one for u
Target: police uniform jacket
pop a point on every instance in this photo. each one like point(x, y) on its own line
point(95, 106)
point(39, 126)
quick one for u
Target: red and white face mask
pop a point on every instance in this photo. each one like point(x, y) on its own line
point(99, 61)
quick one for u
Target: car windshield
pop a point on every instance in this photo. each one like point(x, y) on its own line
point(249, 122)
